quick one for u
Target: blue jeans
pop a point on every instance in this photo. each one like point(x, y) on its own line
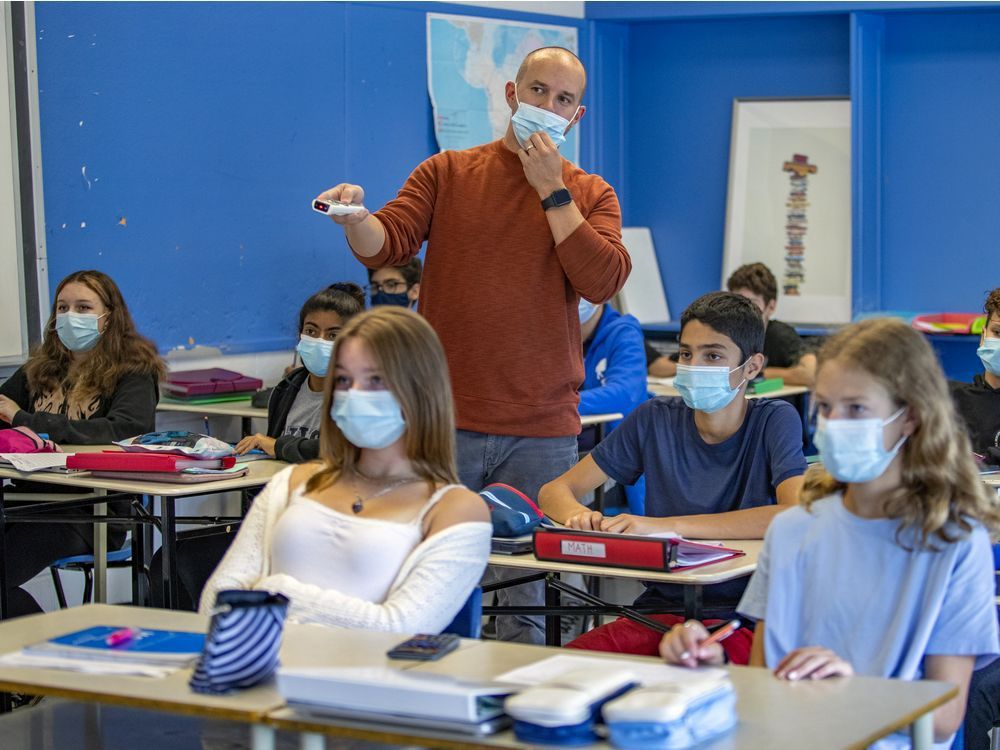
point(525, 463)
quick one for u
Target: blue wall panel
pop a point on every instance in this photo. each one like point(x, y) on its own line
point(683, 79)
point(941, 106)
point(205, 129)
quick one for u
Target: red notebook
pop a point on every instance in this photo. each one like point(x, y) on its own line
point(627, 550)
point(211, 381)
point(159, 462)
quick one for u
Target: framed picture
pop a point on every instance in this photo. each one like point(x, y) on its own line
point(789, 202)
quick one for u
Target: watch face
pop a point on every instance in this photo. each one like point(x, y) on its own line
point(558, 198)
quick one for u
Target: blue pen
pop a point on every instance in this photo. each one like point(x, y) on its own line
point(208, 430)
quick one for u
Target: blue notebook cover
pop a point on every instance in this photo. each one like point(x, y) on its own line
point(146, 645)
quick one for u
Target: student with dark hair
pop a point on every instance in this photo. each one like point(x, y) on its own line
point(93, 380)
point(978, 402)
point(293, 411)
point(717, 465)
point(396, 285)
point(784, 352)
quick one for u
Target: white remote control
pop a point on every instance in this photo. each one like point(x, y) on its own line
point(336, 208)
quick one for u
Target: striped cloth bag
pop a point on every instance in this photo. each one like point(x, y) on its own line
point(244, 636)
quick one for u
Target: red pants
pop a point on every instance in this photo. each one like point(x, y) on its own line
point(626, 636)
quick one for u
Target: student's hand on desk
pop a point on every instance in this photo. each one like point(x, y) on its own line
point(8, 409)
point(682, 646)
point(346, 193)
point(542, 165)
point(812, 663)
point(626, 523)
point(258, 441)
point(585, 520)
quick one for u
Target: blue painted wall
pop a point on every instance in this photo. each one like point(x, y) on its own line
point(205, 130)
point(941, 149)
point(683, 78)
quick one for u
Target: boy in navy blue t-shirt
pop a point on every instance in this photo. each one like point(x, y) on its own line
point(717, 465)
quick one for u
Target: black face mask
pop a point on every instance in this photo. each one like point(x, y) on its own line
point(401, 299)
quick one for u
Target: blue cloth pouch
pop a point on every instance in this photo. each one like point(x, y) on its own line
point(671, 716)
point(513, 513)
point(244, 636)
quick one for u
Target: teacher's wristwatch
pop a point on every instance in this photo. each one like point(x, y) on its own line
point(557, 199)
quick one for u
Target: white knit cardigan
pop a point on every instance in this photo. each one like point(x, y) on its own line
point(429, 590)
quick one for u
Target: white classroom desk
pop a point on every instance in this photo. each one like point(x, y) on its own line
point(838, 713)
point(241, 409)
point(260, 472)
point(693, 580)
point(246, 412)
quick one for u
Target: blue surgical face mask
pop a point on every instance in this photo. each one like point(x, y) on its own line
point(989, 353)
point(587, 310)
point(315, 354)
point(706, 388)
point(529, 119)
point(78, 331)
point(853, 450)
point(368, 419)
point(402, 299)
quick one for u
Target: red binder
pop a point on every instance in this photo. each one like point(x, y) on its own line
point(627, 550)
point(158, 462)
point(206, 382)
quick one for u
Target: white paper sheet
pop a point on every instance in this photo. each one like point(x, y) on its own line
point(646, 673)
point(36, 461)
point(90, 666)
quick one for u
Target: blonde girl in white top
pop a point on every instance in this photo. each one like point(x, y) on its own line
point(377, 533)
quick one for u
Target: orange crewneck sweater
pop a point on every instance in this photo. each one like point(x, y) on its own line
point(498, 291)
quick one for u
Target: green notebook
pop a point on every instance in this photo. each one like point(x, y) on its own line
point(215, 399)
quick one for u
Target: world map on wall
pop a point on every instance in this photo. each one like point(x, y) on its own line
point(468, 62)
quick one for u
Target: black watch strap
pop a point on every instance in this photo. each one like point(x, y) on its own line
point(557, 199)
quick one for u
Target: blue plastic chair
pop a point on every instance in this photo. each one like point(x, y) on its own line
point(469, 620)
point(85, 564)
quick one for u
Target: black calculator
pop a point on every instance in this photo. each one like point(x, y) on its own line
point(425, 647)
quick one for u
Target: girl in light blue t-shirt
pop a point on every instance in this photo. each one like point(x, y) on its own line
point(885, 569)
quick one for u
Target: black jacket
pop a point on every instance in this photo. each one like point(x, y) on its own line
point(129, 411)
point(295, 450)
point(979, 406)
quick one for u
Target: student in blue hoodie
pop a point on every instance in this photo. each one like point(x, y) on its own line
point(614, 366)
point(614, 361)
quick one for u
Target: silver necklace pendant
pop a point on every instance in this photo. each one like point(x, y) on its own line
point(358, 505)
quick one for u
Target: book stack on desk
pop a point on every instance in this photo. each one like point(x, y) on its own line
point(155, 467)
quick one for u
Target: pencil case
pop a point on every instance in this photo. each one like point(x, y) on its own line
point(671, 716)
point(566, 709)
point(244, 636)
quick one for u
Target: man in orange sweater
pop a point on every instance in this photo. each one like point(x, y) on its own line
point(515, 236)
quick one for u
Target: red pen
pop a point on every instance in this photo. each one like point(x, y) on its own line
point(122, 636)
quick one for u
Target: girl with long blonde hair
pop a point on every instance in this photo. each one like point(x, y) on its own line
point(885, 569)
point(377, 534)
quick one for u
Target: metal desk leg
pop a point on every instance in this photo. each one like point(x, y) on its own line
point(311, 741)
point(168, 532)
point(4, 604)
point(922, 732)
point(247, 424)
point(692, 602)
point(261, 737)
point(100, 552)
point(553, 623)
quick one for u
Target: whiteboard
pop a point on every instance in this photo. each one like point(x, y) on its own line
point(13, 318)
point(643, 294)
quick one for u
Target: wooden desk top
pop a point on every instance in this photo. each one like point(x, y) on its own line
point(170, 693)
point(666, 389)
point(259, 473)
point(223, 409)
point(725, 570)
point(840, 713)
point(843, 713)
